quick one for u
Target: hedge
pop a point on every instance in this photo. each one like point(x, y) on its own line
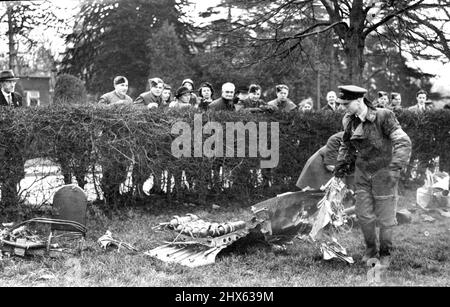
point(84, 138)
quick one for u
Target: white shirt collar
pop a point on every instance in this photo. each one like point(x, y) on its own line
point(5, 93)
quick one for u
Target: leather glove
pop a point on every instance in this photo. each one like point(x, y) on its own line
point(341, 169)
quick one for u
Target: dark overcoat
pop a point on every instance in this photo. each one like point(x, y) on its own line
point(314, 173)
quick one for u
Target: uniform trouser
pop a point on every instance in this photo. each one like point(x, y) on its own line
point(376, 202)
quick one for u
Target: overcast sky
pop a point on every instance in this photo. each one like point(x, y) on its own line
point(67, 8)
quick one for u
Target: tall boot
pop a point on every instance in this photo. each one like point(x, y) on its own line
point(370, 238)
point(386, 234)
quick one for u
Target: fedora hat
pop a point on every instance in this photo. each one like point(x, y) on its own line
point(7, 75)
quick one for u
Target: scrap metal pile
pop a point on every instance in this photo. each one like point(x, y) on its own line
point(196, 242)
point(32, 237)
point(49, 236)
point(315, 215)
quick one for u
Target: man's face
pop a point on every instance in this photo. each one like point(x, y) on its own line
point(8, 86)
point(165, 94)
point(421, 98)
point(255, 96)
point(397, 100)
point(121, 88)
point(331, 98)
point(157, 90)
point(185, 98)
point(228, 92)
point(282, 94)
point(351, 106)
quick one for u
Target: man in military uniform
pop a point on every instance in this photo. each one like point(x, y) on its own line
point(377, 148)
point(152, 98)
point(119, 95)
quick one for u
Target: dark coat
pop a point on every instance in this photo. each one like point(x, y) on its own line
point(16, 99)
point(148, 97)
point(327, 107)
point(221, 104)
point(314, 173)
point(378, 142)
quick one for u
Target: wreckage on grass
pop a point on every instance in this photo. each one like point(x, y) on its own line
point(61, 234)
point(194, 241)
point(304, 214)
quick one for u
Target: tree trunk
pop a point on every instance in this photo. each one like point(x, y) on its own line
point(11, 43)
point(354, 56)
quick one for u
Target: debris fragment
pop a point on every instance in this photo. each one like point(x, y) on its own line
point(214, 206)
point(428, 218)
point(333, 249)
point(426, 233)
point(443, 212)
point(107, 240)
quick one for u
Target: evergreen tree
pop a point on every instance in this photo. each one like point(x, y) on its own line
point(112, 38)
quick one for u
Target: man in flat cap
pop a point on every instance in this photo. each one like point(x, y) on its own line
point(119, 95)
point(12, 168)
point(377, 148)
point(7, 84)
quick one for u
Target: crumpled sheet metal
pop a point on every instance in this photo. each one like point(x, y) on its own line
point(197, 251)
point(291, 213)
point(285, 214)
point(188, 255)
point(107, 240)
point(279, 219)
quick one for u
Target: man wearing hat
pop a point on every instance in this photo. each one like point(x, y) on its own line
point(152, 98)
point(119, 95)
point(12, 167)
point(377, 148)
point(8, 83)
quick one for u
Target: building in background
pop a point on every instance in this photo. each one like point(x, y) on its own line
point(36, 90)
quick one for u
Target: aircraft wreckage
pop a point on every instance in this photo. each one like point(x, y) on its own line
point(312, 216)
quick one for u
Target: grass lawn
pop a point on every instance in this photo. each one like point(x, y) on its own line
point(421, 257)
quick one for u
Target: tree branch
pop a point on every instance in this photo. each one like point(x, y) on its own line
point(390, 16)
point(439, 33)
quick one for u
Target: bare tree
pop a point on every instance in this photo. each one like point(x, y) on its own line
point(420, 27)
point(22, 17)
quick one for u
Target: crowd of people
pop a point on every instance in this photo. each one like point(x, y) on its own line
point(246, 98)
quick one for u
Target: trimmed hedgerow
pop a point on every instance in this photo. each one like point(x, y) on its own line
point(116, 138)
